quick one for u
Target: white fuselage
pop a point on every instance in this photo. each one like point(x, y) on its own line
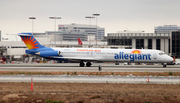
point(115, 55)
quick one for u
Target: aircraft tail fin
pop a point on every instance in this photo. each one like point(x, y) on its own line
point(30, 41)
point(79, 42)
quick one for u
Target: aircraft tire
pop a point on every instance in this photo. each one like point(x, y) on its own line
point(164, 65)
point(88, 64)
point(81, 64)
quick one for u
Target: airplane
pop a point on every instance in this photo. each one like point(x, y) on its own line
point(89, 55)
point(79, 42)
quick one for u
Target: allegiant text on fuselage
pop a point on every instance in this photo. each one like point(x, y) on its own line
point(132, 56)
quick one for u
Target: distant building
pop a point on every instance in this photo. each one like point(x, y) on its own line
point(84, 29)
point(166, 29)
point(167, 42)
point(140, 41)
point(175, 43)
point(67, 36)
point(60, 36)
point(128, 31)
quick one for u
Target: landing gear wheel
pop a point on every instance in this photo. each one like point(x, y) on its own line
point(81, 64)
point(88, 64)
point(100, 68)
point(164, 65)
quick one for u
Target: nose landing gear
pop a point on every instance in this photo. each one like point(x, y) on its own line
point(164, 65)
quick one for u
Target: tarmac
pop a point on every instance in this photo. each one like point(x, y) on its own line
point(106, 67)
point(91, 79)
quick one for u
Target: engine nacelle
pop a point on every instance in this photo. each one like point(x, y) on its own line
point(49, 53)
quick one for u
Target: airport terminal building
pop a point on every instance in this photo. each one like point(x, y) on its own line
point(167, 42)
point(140, 40)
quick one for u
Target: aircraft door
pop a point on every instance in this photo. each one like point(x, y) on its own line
point(155, 56)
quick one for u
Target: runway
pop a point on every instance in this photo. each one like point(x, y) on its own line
point(107, 67)
point(90, 79)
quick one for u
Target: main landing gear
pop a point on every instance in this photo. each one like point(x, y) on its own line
point(88, 64)
point(81, 64)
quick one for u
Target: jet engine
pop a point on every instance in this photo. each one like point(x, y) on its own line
point(48, 53)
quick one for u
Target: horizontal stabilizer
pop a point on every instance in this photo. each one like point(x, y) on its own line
point(24, 35)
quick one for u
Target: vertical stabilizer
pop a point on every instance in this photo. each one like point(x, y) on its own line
point(79, 42)
point(30, 41)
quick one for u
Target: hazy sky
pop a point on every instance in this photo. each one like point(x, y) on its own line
point(115, 15)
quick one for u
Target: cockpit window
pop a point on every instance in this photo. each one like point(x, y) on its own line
point(162, 53)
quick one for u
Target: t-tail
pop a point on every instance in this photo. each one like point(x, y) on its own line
point(30, 41)
point(36, 48)
point(79, 42)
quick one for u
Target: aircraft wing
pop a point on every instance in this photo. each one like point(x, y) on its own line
point(80, 58)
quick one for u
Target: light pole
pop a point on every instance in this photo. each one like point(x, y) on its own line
point(96, 26)
point(32, 23)
point(90, 17)
point(55, 27)
point(32, 18)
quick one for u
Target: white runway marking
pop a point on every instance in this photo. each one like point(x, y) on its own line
point(93, 69)
point(91, 79)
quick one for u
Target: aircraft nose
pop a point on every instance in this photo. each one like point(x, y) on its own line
point(171, 59)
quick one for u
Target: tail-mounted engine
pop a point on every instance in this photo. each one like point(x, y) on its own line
point(49, 53)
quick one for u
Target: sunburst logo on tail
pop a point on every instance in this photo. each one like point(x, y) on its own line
point(30, 42)
point(136, 52)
